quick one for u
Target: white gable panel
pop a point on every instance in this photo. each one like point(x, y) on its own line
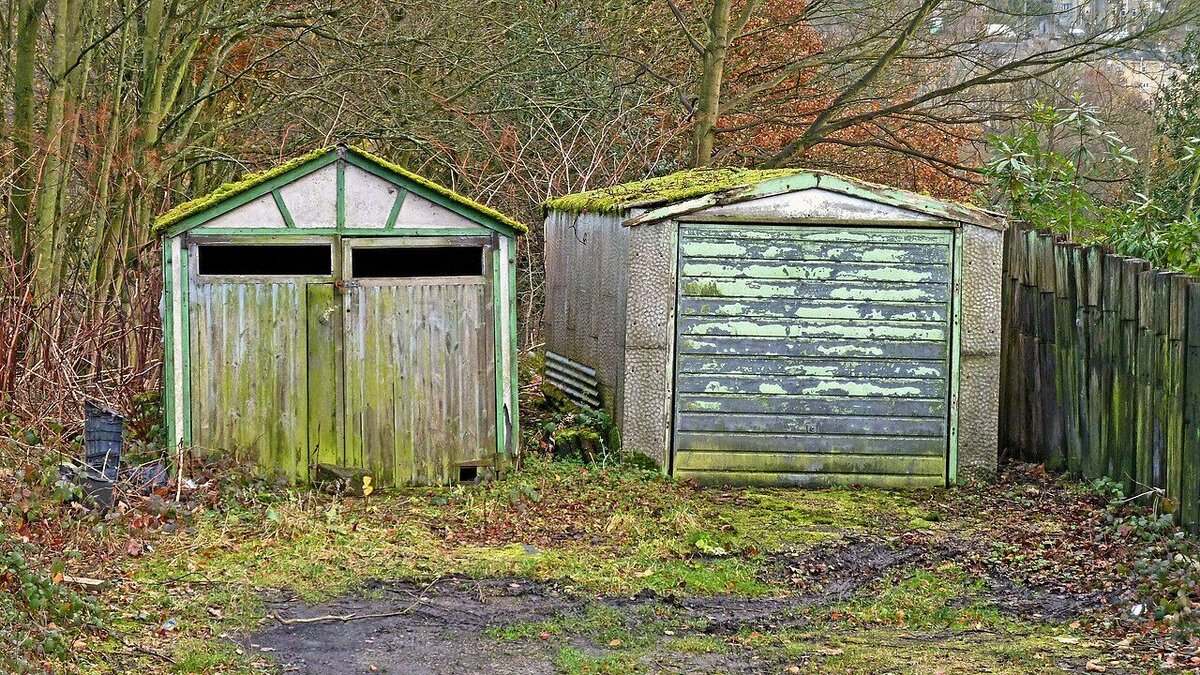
point(312, 200)
point(421, 213)
point(260, 213)
point(369, 198)
point(813, 204)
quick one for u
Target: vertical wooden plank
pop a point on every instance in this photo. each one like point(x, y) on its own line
point(1064, 316)
point(1190, 463)
point(1051, 392)
point(1162, 384)
point(1094, 462)
point(353, 351)
point(498, 336)
point(1115, 451)
point(1127, 370)
point(512, 350)
point(184, 335)
point(324, 326)
point(1144, 464)
point(341, 191)
point(1175, 353)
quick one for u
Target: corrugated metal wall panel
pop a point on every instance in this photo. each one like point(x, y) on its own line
point(813, 355)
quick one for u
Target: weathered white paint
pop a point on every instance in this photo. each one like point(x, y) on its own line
point(179, 338)
point(813, 205)
point(312, 200)
point(418, 212)
point(369, 198)
point(261, 212)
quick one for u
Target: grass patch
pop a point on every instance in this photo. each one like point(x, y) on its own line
point(879, 650)
point(574, 661)
point(944, 597)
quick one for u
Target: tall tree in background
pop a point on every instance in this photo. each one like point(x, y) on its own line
point(896, 76)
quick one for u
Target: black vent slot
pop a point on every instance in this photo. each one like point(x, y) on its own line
point(416, 261)
point(272, 260)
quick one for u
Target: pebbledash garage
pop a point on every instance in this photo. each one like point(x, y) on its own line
point(785, 327)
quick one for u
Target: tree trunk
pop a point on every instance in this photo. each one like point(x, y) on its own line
point(708, 108)
point(24, 181)
point(46, 228)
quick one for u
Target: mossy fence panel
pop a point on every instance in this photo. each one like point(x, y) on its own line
point(1101, 368)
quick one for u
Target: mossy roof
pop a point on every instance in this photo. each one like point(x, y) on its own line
point(737, 182)
point(249, 181)
point(675, 187)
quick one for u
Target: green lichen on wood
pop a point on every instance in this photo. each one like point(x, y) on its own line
point(232, 189)
point(252, 180)
point(665, 189)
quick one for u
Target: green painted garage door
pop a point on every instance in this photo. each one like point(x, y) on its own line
point(813, 355)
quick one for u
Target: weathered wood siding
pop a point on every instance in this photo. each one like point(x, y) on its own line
point(813, 354)
point(248, 374)
point(405, 376)
point(1101, 369)
point(420, 378)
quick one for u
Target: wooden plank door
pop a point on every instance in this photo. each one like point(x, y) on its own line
point(248, 371)
point(813, 355)
point(324, 323)
point(419, 369)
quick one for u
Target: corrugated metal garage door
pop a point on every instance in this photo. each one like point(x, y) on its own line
point(812, 355)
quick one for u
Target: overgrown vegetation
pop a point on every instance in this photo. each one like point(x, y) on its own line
point(1049, 571)
point(1064, 169)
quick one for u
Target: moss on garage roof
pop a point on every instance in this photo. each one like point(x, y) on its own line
point(249, 181)
point(231, 189)
point(674, 187)
point(689, 184)
point(442, 190)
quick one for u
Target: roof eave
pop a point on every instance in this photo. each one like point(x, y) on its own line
point(810, 180)
point(208, 206)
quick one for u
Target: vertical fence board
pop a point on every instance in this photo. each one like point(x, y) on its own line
point(1101, 367)
point(1190, 493)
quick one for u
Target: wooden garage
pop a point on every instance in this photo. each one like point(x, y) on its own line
point(780, 327)
point(339, 309)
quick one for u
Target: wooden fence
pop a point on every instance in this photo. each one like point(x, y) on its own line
point(1101, 367)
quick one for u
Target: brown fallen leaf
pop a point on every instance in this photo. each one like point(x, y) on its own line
point(614, 642)
point(1093, 667)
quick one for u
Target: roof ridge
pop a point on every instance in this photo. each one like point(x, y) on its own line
point(249, 181)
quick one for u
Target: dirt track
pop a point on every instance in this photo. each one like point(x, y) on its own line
point(450, 625)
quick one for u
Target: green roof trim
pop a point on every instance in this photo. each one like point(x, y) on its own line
point(729, 185)
point(250, 181)
point(441, 190)
point(232, 189)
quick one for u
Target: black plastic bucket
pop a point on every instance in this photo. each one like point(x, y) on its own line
point(103, 430)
